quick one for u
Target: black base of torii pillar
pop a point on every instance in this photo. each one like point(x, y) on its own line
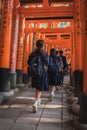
point(81, 123)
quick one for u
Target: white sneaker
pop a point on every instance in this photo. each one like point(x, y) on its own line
point(53, 94)
point(34, 108)
point(39, 102)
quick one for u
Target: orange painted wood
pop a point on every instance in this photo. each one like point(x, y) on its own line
point(38, 36)
point(84, 47)
point(72, 53)
point(45, 3)
point(71, 4)
point(46, 12)
point(52, 30)
point(78, 35)
point(6, 34)
point(14, 37)
point(0, 5)
point(30, 42)
point(26, 50)
point(51, 20)
point(20, 43)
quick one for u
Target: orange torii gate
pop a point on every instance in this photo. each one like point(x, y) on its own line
point(43, 12)
point(17, 67)
point(81, 36)
point(41, 33)
point(4, 48)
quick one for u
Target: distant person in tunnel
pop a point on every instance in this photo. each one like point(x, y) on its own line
point(53, 71)
point(64, 67)
point(38, 62)
point(60, 70)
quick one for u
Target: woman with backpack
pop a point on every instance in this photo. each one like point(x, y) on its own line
point(38, 62)
point(53, 71)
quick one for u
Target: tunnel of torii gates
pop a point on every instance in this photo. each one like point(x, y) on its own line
point(62, 27)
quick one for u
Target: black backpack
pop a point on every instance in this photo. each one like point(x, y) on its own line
point(53, 67)
point(36, 68)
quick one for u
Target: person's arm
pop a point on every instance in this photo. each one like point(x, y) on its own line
point(65, 63)
point(30, 58)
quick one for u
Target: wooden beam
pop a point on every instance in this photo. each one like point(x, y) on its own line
point(47, 30)
point(50, 20)
point(47, 12)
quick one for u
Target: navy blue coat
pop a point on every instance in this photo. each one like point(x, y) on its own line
point(63, 58)
point(53, 78)
point(40, 83)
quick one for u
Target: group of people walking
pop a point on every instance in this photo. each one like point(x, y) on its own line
point(46, 71)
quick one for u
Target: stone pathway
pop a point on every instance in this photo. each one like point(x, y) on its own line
point(16, 112)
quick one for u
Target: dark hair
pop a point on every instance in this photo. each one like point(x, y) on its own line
point(56, 52)
point(39, 43)
point(61, 52)
point(52, 52)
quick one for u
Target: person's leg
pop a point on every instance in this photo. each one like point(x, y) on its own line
point(38, 96)
point(58, 82)
point(37, 101)
point(52, 88)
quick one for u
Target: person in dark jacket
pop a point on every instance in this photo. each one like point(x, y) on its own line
point(53, 71)
point(40, 83)
point(63, 58)
point(60, 70)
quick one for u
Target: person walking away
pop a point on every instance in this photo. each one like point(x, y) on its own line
point(53, 70)
point(60, 70)
point(64, 67)
point(38, 62)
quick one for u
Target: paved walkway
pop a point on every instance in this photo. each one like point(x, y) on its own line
point(16, 112)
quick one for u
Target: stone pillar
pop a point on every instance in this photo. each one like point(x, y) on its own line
point(25, 55)
point(14, 40)
point(5, 46)
point(19, 63)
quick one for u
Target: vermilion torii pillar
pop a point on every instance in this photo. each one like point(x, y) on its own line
point(72, 54)
point(19, 64)
point(0, 5)
point(14, 41)
point(31, 44)
point(26, 54)
point(5, 46)
point(78, 36)
point(0, 16)
point(81, 124)
point(78, 73)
